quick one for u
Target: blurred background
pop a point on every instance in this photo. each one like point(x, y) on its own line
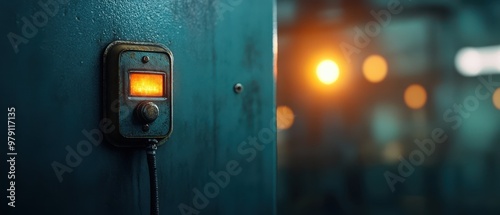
point(388, 106)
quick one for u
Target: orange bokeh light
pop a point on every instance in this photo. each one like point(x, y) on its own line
point(496, 98)
point(285, 117)
point(375, 68)
point(415, 96)
point(328, 72)
point(146, 84)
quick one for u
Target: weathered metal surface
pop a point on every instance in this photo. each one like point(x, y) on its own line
point(53, 78)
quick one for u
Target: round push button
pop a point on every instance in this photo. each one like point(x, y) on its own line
point(148, 111)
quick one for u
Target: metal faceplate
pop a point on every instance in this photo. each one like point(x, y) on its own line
point(120, 59)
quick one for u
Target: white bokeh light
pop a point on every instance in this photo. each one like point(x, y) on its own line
point(478, 61)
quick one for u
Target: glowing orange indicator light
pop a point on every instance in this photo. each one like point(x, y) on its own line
point(146, 84)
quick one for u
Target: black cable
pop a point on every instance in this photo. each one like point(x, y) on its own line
point(153, 177)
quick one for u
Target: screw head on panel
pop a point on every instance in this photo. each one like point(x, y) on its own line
point(145, 59)
point(238, 88)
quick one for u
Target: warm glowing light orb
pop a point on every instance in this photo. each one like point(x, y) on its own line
point(375, 68)
point(328, 72)
point(415, 96)
point(496, 98)
point(284, 117)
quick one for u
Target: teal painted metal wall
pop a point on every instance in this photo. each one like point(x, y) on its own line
point(54, 82)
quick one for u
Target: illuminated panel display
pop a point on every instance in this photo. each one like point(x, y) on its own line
point(143, 84)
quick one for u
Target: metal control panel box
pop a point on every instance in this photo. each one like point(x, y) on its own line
point(138, 92)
